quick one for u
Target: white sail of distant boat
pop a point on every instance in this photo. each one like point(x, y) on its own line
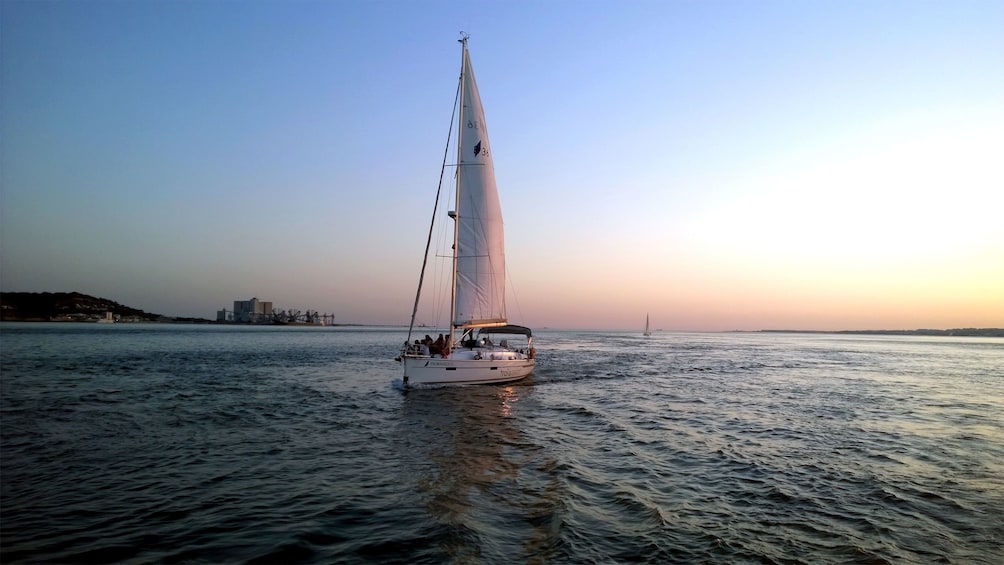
point(468, 355)
point(647, 331)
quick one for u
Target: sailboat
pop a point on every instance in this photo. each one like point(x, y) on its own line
point(647, 331)
point(477, 310)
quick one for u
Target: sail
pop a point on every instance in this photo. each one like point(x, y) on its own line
point(480, 280)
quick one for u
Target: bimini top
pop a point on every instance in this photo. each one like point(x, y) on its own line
point(506, 330)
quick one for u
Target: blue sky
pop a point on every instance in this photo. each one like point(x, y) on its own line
point(720, 165)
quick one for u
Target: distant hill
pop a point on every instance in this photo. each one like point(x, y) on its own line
point(64, 306)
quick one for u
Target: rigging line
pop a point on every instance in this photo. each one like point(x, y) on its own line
point(512, 286)
point(442, 277)
point(435, 208)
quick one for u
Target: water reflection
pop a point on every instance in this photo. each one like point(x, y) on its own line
point(477, 473)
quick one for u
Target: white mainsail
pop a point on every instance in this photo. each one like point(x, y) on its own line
point(480, 284)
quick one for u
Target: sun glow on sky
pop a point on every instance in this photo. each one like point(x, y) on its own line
point(717, 165)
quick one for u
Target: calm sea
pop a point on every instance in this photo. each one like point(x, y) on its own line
point(225, 444)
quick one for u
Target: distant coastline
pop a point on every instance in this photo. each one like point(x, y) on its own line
point(79, 307)
point(76, 307)
point(963, 332)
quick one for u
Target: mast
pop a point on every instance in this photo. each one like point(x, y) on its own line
point(456, 214)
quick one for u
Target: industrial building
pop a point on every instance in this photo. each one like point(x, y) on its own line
point(247, 311)
point(255, 311)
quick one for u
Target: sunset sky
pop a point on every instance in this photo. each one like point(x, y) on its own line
point(716, 165)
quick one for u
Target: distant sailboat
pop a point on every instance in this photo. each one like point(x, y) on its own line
point(647, 332)
point(478, 271)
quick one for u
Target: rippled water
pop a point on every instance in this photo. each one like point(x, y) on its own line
point(164, 443)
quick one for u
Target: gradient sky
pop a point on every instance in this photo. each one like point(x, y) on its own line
point(717, 165)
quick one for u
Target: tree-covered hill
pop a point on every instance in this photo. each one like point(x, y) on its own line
point(34, 306)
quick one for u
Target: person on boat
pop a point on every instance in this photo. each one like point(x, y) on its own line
point(467, 340)
point(447, 345)
point(416, 348)
point(439, 345)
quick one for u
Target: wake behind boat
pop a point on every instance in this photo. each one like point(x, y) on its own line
point(477, 309)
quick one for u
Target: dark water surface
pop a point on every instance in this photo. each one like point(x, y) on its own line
point(213, 444)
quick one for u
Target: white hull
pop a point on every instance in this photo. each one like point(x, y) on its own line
point(436, 370)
